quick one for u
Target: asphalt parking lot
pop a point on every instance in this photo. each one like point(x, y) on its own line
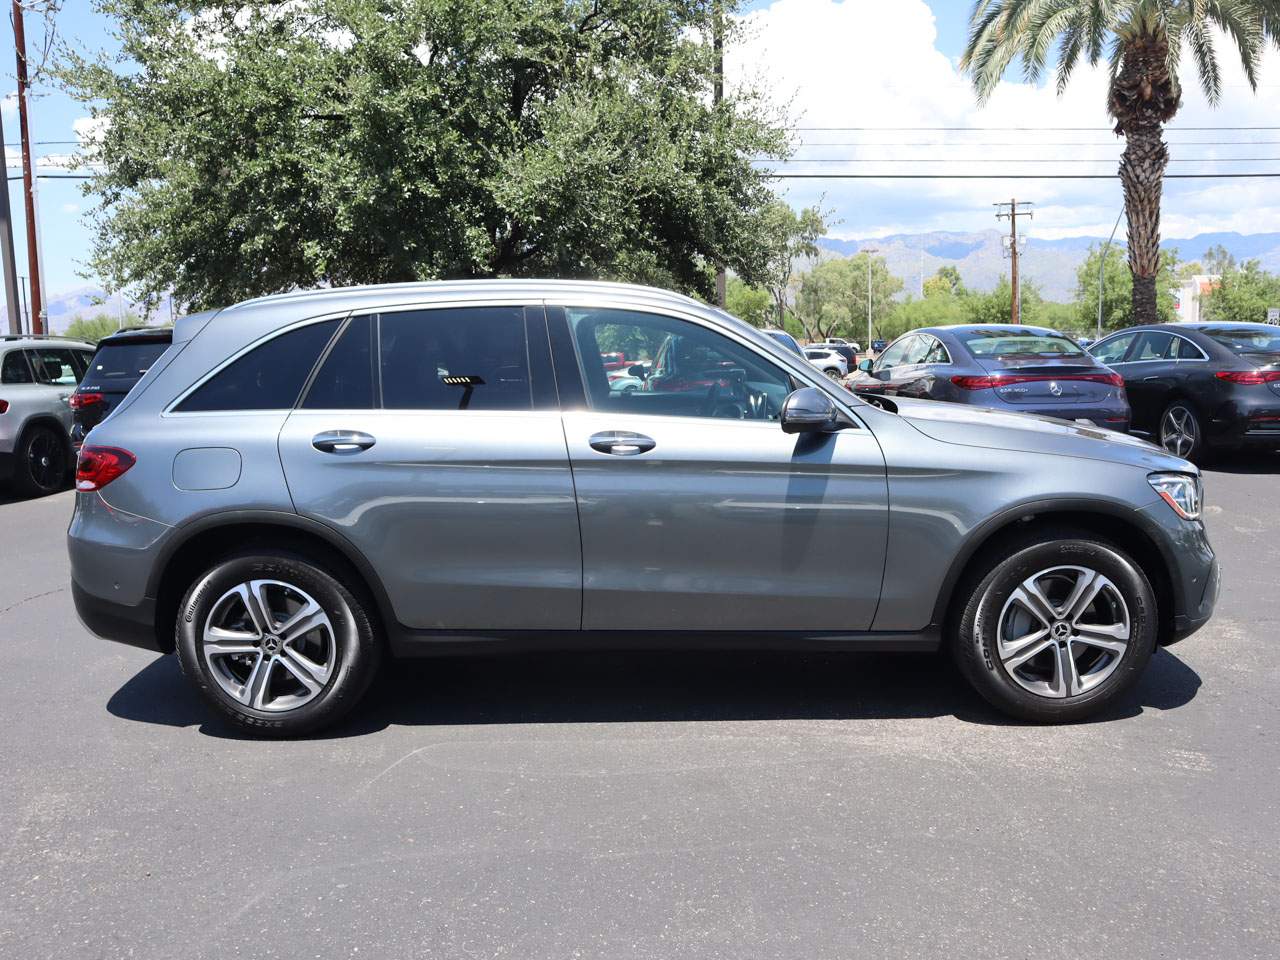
point(652, 805)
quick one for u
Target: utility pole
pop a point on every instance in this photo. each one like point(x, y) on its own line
point(6, 253)
point(1102, 265)
point(1009, 211)
point(717, 95)
point(33, 247)
point(869, 251)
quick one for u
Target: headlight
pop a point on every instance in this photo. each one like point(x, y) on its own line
point(1180, 491)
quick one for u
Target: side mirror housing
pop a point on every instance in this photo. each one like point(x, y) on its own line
point(866, 365)
point(639, 371)
point(809, 410)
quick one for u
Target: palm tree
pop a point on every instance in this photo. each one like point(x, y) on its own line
point(1143, 41)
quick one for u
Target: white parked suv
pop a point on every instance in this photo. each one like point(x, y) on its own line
point(828, 361)
point(37, 377)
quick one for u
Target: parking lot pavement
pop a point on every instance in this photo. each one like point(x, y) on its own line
point(659, 806)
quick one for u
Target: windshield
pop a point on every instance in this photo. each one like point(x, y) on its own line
point(1016, 343)
point(122, 364)
point(1255, 339)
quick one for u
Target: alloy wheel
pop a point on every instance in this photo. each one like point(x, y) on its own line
point(1179, 432)
point(1063, 631)
point(269, 645)
point(46, 460)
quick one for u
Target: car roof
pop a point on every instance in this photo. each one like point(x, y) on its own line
point(27, 340)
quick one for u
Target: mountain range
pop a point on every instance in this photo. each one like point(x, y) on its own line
point(1050, 264)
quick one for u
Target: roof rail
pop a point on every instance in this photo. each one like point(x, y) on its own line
point(36, 336)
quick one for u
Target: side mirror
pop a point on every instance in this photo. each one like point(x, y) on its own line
point(809, 410)
point(639, 371)
point(866, 365)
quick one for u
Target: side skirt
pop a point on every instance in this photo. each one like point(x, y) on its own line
point(429, 643)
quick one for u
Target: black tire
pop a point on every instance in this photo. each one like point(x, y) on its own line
point(1182, 412)
point(355, 645)
point(986, 597)
point(42, 462)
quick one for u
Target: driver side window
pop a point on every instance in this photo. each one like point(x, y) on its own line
point(633, 362)
point(894, 355)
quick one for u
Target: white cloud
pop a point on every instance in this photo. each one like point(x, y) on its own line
point(71, 208)
point(867, 63)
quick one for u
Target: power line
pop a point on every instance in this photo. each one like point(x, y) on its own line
point(1023, 143)
point(1014, 160)
point(1011, 176)
point(1009, 129)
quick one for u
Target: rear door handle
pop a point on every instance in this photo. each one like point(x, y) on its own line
point(342, 441)
point(621, 443)
point(1145, 379)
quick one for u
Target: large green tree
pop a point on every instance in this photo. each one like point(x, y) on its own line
point(254, 147)
point(791, 236)
point(832, 300)
point(1243, 294)
point(1117, 290)
point(1143, 42)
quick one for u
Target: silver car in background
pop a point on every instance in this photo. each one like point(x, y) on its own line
point(304, 484)
point(38, 375)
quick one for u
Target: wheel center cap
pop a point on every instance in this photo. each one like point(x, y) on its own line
point(1060, 630)
point(271, 644)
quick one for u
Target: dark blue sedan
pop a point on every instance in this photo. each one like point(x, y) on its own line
point(1018, 368)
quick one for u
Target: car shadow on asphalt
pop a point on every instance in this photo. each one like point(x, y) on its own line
point(1249, 462)
point(645, 687)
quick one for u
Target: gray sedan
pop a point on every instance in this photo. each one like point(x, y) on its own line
point(1017, 368)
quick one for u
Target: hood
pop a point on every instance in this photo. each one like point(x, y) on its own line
point(1028, 433)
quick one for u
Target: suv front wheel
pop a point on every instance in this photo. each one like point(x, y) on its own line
point(276, 643)
point(1057, 630)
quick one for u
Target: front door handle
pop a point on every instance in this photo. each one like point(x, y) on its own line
point(1145, 379)
point(342, 441)
point(621, 443)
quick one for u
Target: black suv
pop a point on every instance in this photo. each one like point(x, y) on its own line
point(119, 363)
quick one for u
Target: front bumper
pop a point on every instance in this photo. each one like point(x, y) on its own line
point(1194, 574)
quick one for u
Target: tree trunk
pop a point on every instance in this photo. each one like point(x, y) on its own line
point(1142, 169)
point(1143, 98)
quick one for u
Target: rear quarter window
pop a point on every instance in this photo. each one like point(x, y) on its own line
point(268, 377)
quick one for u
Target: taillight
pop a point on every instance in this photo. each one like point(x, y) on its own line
point(4, 406)
point(98, 466)
point(1005, 379)
point(1249, 377)
point(81, 400)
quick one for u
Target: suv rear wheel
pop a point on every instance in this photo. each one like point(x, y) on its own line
point(42, 463)
point(276, 643)
point(1057, 630)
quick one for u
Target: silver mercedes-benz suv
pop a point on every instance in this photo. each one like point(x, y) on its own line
point(305, 483)
point(37, 377)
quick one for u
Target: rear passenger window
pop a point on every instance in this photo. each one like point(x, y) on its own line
point(268, 377)
point(14, 368)
point(55, 366)
point(345, 379)
point(1152, 345)
point(469, 358)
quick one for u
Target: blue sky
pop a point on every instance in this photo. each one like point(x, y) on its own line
point(864, 63)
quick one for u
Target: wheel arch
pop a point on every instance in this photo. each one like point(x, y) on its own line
point(1112, 523)
point(185, 555)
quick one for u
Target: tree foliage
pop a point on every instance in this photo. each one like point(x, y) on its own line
point(791, 236)
point(1244, 294)
point(752, 304)
point(258, 147)
point(1117, 290)
point(92, 329)
point(832, 300)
